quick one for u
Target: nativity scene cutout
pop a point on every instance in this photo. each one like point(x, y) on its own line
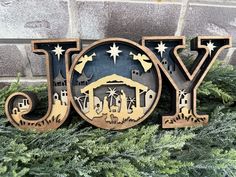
point(115, 98)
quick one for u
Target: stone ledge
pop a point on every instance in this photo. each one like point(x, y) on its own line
point(23, 84)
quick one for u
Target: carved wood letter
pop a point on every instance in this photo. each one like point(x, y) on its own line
point(185, 82)
point(19, 105)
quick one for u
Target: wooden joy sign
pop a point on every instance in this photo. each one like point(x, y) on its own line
point(116, 83)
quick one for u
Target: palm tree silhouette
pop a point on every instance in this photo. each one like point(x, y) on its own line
point(82, 99)
point(131, 102)
point(112, 93)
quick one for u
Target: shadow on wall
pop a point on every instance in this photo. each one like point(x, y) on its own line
point(139, 20)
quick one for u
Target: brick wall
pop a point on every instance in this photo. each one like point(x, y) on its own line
point(24, 20)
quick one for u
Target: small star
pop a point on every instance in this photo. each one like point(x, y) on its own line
point(182, 93)
point(114, 51)
point(58, 51)
point(161, 48)
point(211, 47)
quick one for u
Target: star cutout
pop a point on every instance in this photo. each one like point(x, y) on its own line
point(114, 51)
point(182, 93)
point(161, 48)
point(58, 51)
point(210, 46)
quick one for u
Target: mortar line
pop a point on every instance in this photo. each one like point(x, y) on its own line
point(73, 27)
point(131, 1)
point(212, 5)
point(182, 15)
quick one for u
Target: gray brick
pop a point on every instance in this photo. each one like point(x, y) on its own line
point(129, 20)
point(33, 19)
point(210, 20)
point(92, 19)
point(12, 61)
point(37, 62)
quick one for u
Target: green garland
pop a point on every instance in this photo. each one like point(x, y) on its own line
point(146, 150)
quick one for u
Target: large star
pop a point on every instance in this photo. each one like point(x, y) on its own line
point(114, 51)
point(58, 51)
point(211, 47)
point(161, 48)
